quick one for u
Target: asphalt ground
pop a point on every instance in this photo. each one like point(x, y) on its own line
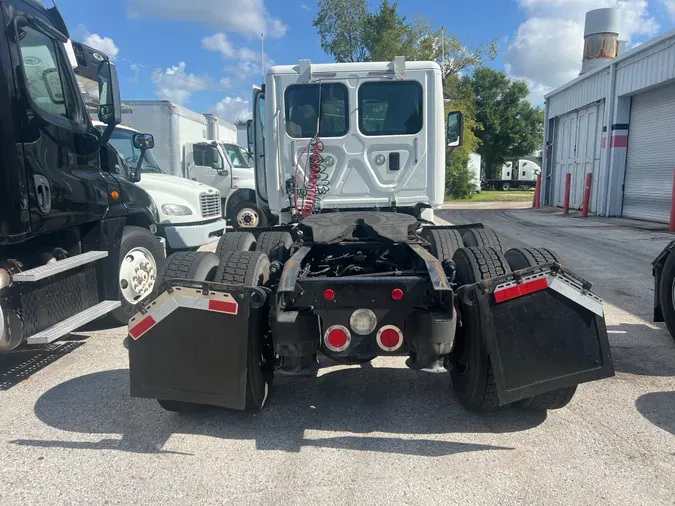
point(70, 433)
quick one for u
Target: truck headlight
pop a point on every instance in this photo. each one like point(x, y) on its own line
point(176, 210)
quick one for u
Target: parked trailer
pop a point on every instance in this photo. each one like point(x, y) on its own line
point(360, 273)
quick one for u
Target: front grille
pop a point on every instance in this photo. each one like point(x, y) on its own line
point(210, 205)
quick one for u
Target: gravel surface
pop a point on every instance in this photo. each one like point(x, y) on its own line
point(70, 434)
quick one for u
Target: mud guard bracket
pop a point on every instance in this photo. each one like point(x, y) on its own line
point(543, 330)
point(190, 343)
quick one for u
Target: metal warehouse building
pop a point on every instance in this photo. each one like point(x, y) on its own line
point(616, 121)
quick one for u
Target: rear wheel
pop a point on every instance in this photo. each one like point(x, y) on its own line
point(276, 245)
point(522, 258)
point(252, 268)
point(235, 241)
point(444, 242)
point(506, 187)
point(667, 293)
point(481, 238)
point(472, 376)
point(248, 215)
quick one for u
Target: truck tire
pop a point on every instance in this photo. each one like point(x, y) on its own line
point(444, 242)
point(506, 186)
point(247, 215)
point(235, 241)
point(192, 265)
point(481, 238)
point(522, 258)
point(197, 266)
point(471, 373)
point(252, 268)
point(276, 245)
point(666, 293)
point(139, 249)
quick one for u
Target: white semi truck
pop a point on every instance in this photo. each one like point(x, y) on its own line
point(190, 145)
point(351, 158)
point(519, 174)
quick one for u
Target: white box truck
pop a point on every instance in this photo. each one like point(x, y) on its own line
point(189, 145)
point(474, 171)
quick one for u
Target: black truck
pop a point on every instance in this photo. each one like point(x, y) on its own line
point(68, 218)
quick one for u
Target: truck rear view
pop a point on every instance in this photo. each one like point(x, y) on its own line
point(354, 271)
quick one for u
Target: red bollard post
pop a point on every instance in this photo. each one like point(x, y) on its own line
point(537, 193)
point(587, 194)
point(671, 228)
point(568, 184)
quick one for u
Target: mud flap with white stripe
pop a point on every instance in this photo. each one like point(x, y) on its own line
point(190, 343)
point(544, 330)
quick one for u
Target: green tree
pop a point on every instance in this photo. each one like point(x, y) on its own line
point(512, 128)
point(457, 176)
point(342, 27)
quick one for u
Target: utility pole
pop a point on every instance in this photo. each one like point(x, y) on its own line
point(443, 50)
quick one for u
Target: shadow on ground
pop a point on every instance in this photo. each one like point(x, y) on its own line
point(355, 400)
point(19, 365)
point(658, 408)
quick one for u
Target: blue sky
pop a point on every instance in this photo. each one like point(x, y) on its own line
point(206, 54)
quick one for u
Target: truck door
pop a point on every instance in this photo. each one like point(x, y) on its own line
point(61, 151)
point(206, 163)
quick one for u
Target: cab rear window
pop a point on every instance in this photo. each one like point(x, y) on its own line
point(302, 108)
point(390, 108)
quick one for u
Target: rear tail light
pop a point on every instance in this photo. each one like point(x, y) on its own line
point(363, 321)
point(397, 294)
point(390, 338)
point(337, 338)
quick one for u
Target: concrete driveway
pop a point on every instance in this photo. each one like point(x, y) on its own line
point(69, 433)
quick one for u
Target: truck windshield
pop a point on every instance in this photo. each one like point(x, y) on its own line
point(123, 142)
point(237, 156)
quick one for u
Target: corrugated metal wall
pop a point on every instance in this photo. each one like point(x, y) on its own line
point(584, 91)
point(649, 67)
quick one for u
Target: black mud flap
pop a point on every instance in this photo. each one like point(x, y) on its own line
point(544, 330)
point(190, 343)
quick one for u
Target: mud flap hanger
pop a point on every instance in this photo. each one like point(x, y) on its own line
point(543, 329)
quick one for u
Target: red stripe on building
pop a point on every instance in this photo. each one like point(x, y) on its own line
point(604, 142)
point(619, 141)
point(143, 326)
point(223, 306)
point(515, 291)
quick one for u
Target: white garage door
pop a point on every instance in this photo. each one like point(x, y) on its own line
point(578, 138)
point(651, 156)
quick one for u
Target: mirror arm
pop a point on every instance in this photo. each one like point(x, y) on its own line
point(137, 172)
point(107, 133)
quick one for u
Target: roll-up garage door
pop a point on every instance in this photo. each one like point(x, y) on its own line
point(651, 156)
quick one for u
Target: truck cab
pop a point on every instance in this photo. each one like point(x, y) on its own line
point(68, 223)
point(363, 136)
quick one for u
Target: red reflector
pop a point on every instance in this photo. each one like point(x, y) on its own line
point(515, 291)
point(397, 294)
point(337, 338)
point(389, 338)
point(329, 294)
point(223, 306)
point(143, 326)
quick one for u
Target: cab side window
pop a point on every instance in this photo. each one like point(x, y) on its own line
point(48, 86)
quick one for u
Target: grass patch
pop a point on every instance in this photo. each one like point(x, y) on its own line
point(497, 196)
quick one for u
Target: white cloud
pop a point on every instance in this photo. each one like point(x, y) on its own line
point(136, 72)
point(176, 85)
point(670, 8)
point(547, 48)
point(307, 8)
point(248, 17)
point(104, 44)
point(232, 108)
point(247, 60)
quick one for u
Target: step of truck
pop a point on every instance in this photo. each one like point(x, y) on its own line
point(48, 270)
point(73, 323)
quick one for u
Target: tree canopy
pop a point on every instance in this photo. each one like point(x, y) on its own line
point(511, 127)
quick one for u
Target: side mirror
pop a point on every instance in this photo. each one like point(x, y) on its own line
point(223, 172)
point(52, 82)
point(110, 107)
point(249, 134)
point(144, 141)
point(455, 127)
